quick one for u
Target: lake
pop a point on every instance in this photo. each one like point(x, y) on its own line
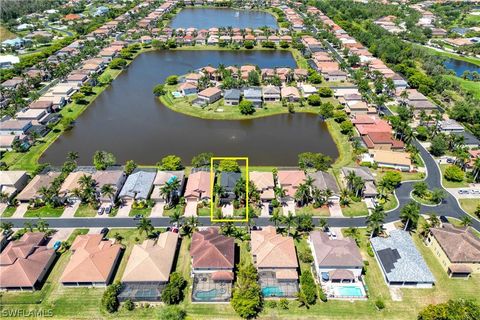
point(460, 66)
point(127, 120)
point(205, 18)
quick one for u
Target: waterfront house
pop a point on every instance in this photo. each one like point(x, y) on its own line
point(114, 177)
point(308, 90)
point(325, 181)
point(193, 78)
point(56, 101)
point(77, 78)
point(167, 177)
point(42, 105)
point(253, 95)
point(290, 180)
point(148, 268)
point(401, 262)
point(457, 249)
point(361, 107)
point(71, 183)
point(7, 142)
point(213, 261)
point(210, 95)
point(12, 182)
point(93, 261)
point(275, 258)
point(31, 191)
point(382, 141)
point(187, 88)
point(290, 94)
point(231, 97)
point(198, 186)
point(416, 100)
point(34, 115)
point(335, 260)
point(228, 181)
point(264, 183)
point(24, 263)
point(369, 190)
point(271, 93)
point(14, 126)
point(138, 185)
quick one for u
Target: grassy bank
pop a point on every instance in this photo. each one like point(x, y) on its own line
point(467, 85)
point(451, 55)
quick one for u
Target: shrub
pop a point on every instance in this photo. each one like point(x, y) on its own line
point(370, 251)
point(379, 304)
point(109, 299)
point(172, 313)
point(314, 100)
point(159, 90)
point(305, 257)
point(247, 295)
point(118, 63)
point(283, 304)
point(172, 80)
point(271, 304)
point(129, 305)
point(173, 292)
point(308, 287)
point(454, 173)
point(246, 107)
point(322, 295)
point(325, 92)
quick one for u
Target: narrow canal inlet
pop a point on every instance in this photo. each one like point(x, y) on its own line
point(127, 120)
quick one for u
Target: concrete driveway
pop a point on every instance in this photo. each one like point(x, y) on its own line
point(70, 210)
point(335, 210)
point(289, 206)
point(227, 210)
point(191, 209)
point(3, 206)
point(264, 212)
point(60, 235)
point(21, 209)
point(157, 210)
point(125, 209)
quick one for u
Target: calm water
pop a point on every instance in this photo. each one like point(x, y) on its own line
point(204, 18)
point(129, 121)
point(460, 66)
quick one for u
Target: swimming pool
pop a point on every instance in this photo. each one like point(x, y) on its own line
point(272, 292)
point(176, 94)
point(348, 291)
point(209, 295)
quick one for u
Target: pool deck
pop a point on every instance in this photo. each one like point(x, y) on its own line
point(204, 284)
point(330, 290)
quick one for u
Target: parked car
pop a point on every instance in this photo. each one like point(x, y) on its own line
point(104, 231)
point(138, 217)
point(100, 210)
point(108, 209)
point(57, 245)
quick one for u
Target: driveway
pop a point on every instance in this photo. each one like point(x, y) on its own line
point(335, 210)
point(227, 210)
point(125, 209)
point(157, 210)
point(264, 212)
point(70, 210)
point(60, 235)
point(289, 206)
point(191, 209)
point(3, 206)
point(21, 209)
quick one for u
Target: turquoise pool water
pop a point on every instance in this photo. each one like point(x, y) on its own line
point(272, 292)
point(349, 291)
point(207, 295)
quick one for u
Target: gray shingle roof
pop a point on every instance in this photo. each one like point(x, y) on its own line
point(400, 259)
point(232, 94)
point(324, 180)
point(138, 184)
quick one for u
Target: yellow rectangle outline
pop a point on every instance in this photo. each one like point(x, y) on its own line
point(212, 178)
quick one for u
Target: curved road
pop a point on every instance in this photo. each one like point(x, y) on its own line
point(449, 207)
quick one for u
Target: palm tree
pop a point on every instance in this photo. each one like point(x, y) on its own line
point(433, 220)
point(189, 226)
point(275, 218)
point(4, 197)
point(375, 220)
point(176, 217)
point(108, 191)
point(302, 195)
point(410, 213)
point(72, 156)
point(288, 220)
point(354, 233)
point(42, 225)
point(144, 225)
point(6, 227)
point(466, 221)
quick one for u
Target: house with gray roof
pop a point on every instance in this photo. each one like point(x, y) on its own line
point(228, 180)
point(138, 185)
point(231, 97)
point(323, 181)
point(254, 95)
point(271, 93)
point(401, 262)
point(370, 189)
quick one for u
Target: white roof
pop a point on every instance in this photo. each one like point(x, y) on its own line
point(9, 58)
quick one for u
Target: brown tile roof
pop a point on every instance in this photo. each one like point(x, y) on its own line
point(39, 181)
point(209, 92)
point(459, 244)
point(23, 261)
point(209, 249)
point(272, 250)
point(290, 179)
point(93, 259)
point(198, 185)
point(152, 260)
point(335, 253)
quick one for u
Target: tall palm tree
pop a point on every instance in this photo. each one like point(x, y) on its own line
point(288, 220)
point(302, 195)
point(72, 155)
point(275, 218)
point(108, 191)
point(375, 220)
point(410, 213)
point(145, 225)
point(176, 217)
point(466, 221)
point(433, 220)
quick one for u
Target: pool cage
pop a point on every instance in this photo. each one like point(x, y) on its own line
point(273, 287)
point(141, 292)
point(205, 289)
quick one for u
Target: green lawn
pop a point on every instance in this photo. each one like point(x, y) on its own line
point(9, 211)
point(451, 184)
point(143, 212)
point(355, 209)
point(467, 85)
point(391, 203)
point(6, 34)
point(322, 211)
point(345, 151)
point(85, 210)
point(458, 223)
point(44, 212)
point(406, 176)
point(469, 205)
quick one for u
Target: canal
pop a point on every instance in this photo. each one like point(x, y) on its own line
point(127, 120)
point(205, 18)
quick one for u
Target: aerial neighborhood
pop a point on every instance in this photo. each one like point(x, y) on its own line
point(181, 159)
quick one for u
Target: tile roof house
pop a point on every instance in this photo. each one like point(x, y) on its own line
point(210, 95)
point(12, 182)
point(457, 249)
point(392, 159)
point(271, 93)
point(264, 182)
point(290, 93)
point(323, 181)
point(187, 88)
point(198, 186)
point(25, 262)
point(139, 185)
point(335, 260)
point(211, 251)
point(401, 262)
point(382, 141)
point(166, 177)
point(31, 191)
point(14, 126)
point(112, 177)
point(148, 268)
point(93, 261)
point(71, 183)
point(275, 258)
point(290, 180)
